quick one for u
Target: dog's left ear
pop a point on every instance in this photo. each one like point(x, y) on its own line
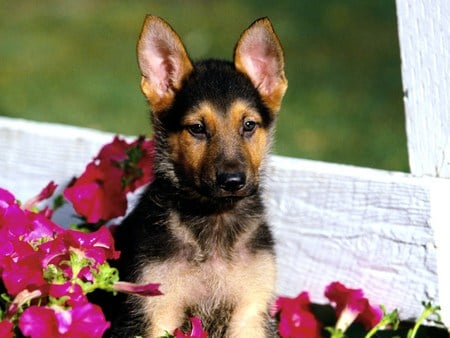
point(259, 55)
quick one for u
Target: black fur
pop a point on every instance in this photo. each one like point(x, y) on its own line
point(218, 82)
point(197, 222)
point(144, 235)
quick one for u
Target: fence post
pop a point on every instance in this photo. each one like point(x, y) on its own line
point(424, 34)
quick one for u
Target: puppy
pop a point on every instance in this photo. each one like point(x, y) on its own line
point(200, 229)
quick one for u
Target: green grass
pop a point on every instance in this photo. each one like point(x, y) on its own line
point(74, 63)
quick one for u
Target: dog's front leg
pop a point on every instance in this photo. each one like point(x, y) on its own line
point(165, 313)
point(249, 321)
point(250, 317)
point(166, 316)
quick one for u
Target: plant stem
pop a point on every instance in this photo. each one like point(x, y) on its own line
point(429, 310)
point(388, 319)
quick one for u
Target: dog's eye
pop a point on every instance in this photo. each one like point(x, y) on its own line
point(197, 130)
point(249, 127)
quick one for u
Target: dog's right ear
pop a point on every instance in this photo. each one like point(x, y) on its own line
point(163, 61)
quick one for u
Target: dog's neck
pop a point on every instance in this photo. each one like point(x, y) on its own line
point(211, 228)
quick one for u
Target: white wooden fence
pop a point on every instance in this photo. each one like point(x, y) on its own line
point(385, 232)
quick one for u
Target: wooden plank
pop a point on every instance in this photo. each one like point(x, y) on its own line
point(371, 229)
point(424, 33)
point(33, 153)
point(381, 231)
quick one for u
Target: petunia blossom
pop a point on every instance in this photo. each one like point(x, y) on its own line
point(6, 329)
point(351, 305)
point(97, 194)
point(22, 269)
point(84, 320)
point(13, 221)
point(21, 260)
point(143, 165)
point(296, 318)
point(196, 332)
point(40, 228)
point(6, 198)
point(45, 193)
point(73, 292)
point(47, 270)
point(138, 289)
point(97, 245)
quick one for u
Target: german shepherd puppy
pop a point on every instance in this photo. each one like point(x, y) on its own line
point(200, 229)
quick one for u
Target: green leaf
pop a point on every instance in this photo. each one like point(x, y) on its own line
point(58, 202)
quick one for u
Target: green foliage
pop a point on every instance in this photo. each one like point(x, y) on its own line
point(430, 310)
point(390, 319)
point(74, 63)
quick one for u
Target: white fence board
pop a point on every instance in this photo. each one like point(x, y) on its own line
point(367, 228)
point(424, 34)
point(371, 229)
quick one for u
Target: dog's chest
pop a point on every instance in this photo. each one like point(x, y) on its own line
point(212, 281)
point(212, 256)
point(214, 269)
point(218, 241)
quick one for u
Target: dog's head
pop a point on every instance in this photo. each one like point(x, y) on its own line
point(212, 119)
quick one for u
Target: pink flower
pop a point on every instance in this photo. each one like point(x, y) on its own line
point(23, 270)
point(135, 159)
point(16, 222)
point(73, 291)
point(351, 305)
point(6, 329)
point(114, 151)
point(196, 332)
point(21, 259)
point(97, 194)
point(97, 245)
point(40, 227)
point(6, 198)
point(296, 318)
point(13, 221)
point(83, 320)
point(39, 259)
point(22, 298)
point(138, 289)
point(143, 152)
point(45, 193)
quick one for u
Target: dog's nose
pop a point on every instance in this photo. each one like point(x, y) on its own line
point(231, 181)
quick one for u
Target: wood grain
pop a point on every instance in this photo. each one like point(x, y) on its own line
point(424, 36)
point(382, 231)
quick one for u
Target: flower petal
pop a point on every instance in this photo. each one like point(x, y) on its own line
point(138, 289)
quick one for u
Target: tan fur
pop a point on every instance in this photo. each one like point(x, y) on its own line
point(225, 132)
point(220, 265)
point(185, 282)
point(255, 148)
point(272, 87)
point(156, 31)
